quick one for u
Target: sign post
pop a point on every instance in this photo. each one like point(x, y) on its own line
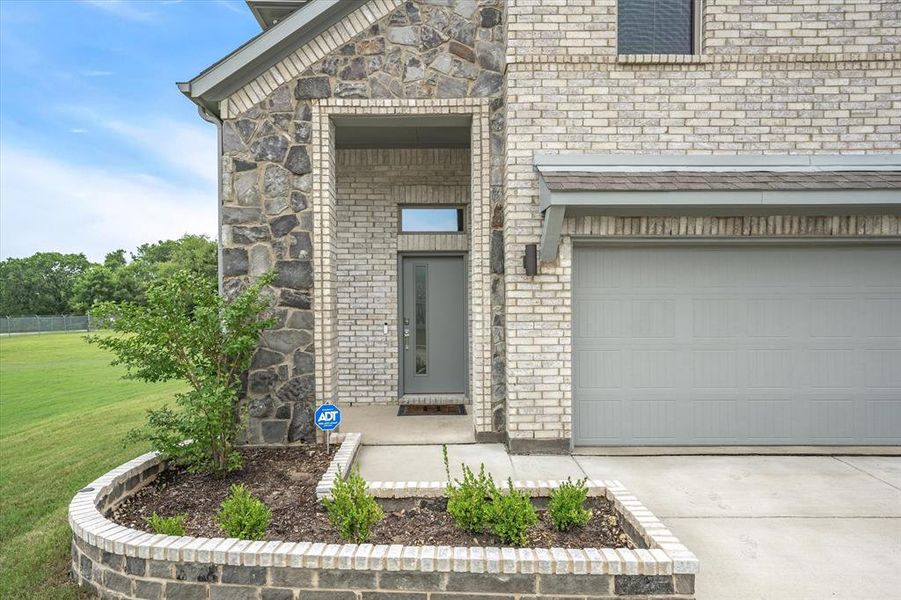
point(327, 418)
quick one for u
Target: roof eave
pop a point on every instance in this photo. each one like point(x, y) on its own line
point(555, 204)
point(223, 78)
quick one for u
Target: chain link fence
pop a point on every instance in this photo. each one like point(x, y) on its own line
point(46, 324)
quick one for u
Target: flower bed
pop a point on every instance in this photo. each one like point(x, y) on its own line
point(121, 562)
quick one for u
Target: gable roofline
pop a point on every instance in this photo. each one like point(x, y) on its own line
point(220, 80)
point(268, 13)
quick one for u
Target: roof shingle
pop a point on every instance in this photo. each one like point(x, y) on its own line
point(671, 181)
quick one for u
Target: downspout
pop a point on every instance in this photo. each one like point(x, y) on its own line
point(209, 117)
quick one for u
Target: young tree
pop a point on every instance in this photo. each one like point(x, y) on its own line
point(187, 331)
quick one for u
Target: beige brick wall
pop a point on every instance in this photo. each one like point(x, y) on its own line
point(835, 26)
point(568, 93)
point(588, 27)
point(370, 184)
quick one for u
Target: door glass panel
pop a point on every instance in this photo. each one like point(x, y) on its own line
point(422, 350)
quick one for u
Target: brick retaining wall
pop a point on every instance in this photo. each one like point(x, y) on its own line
point(118, 562)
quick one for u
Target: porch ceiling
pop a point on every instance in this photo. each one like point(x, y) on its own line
point(451, 131)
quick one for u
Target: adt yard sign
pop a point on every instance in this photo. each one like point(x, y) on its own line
point(327, 417)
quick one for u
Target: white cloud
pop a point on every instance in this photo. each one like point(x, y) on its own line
point(124, 9)
point(47, 203)
point(235, 7)
point(190, 149)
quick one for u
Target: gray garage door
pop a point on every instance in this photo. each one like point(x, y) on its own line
point(737, 344)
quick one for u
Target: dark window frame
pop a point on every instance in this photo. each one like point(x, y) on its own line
point(695, 32)
point(461, 218)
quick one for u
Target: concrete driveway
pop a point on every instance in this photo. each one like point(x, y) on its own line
point(764, 527)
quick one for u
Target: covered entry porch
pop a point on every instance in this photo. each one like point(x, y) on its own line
point(401, 267)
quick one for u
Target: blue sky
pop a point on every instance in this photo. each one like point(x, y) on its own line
point(98, 148)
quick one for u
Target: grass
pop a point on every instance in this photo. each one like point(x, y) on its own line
point(63, 414)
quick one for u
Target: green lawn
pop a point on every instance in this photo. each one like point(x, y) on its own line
point(63, 413)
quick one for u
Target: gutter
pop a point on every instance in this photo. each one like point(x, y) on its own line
point(209, 117)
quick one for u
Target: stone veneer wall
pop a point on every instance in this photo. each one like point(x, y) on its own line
point(786, 91)
point(370, 186)
point(386, 49)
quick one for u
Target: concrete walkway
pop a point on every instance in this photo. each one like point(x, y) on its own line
point(764, 527)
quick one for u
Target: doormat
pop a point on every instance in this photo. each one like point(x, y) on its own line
point(413, 410)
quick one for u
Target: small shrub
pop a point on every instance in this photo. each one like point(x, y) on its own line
point(352, 509)
point(566, 506)
point(167, 525)
point(187, 331)
point(243, 516)
point(468, 500)
point(511, 515)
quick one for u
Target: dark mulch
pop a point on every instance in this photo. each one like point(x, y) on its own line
point(285, 479)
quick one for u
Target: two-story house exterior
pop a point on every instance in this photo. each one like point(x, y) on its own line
point(595, 222)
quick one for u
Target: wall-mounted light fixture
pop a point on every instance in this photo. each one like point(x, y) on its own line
point(530, 260)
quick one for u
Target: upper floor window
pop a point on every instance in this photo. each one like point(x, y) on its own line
point(656, 26)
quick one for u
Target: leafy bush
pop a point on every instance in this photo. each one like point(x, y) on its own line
point(511, 515)
point(167, 525)
point(187, 331)
point(468, 500)
point(352, 509)
point(243, 516)
point(566, 506)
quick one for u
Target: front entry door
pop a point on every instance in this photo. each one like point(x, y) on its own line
point(433, 326)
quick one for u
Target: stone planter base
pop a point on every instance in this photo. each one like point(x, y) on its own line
point(118, 562)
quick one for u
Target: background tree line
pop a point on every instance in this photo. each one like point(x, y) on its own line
point(52, 283)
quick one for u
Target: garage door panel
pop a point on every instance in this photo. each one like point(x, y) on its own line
point(599, 369)
point(885, 318)
point(604, 319)
point(601, 421)
point(882, 417)
point(832, 421)
point(654, 368)
point(653, 420)
point(769, 368)
point(737, 345)
point(715, 368)
point(834, 317)
point(769, 421)
point(715, 420)
point(652, 318)
point(831, 368)
point(770, 317)
point(883, 368)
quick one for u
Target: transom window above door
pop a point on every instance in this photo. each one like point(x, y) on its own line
point(428, 219)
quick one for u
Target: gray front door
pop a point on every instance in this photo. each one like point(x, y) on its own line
point(433, 327)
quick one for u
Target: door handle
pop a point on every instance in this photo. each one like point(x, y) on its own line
point(406, 334)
